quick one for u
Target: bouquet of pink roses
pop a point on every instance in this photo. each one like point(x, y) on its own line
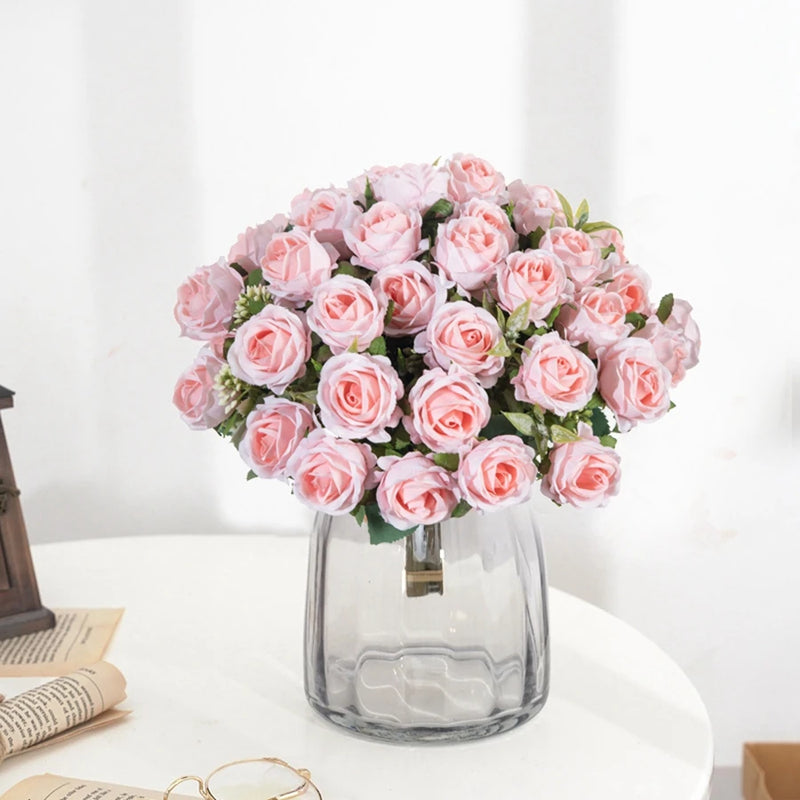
point(428, 341)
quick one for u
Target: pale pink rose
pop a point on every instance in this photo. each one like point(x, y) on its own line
point(535, 275)
point(471, 176)
point(584, 474)
point(494, 215)
point(448, 410)
point(330, 474)
point(273, 431)
point(535, 207)
point(345, 310)
point(497, 473)
point(416, 186)
point(609, 236)
point(327, 212)
point(195, 396)
point(206, 300)
point(295, 263)
point(385, 235)
point(633, 382)
point(270, 349)
point(596, 317)
point(415, 491)
point(357, 396)
point(579, 253)
point(468, 250)
point(463, 334)
point(416, 293)
point(677, 342)
point(555, 375)
point(632, 284)
point(250, 246)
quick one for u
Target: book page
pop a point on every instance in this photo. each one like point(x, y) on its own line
point(56, 787)
point(80, 638)
point(57, 706)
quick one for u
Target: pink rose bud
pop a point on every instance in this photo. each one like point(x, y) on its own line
point(494, 215)
point(633, 382)
point(206, 300)
point(195, 396)
point(345, 310)
point(358, 396)
point(596, 317)
point(535, 207)
point(463, 334)
point(497, 473)
point(270, 349)
point(384, 236)
point(416, 186)
point(330, 475)
point(632, 284)
point(295, 263)
point(416, 293)
point(413, 491)
point(273, 431)
point(677, 342)
point(584, 474)
point(609, 236)
point(535, 275)
point(326, 212)
point(448, 410)
point(471, 176)
point(468, 250)
point(578, 251)
point(251, 245)
point(555, 375)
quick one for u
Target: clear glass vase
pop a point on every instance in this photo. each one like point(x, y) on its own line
point(441, 636)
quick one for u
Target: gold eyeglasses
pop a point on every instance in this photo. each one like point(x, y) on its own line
point(253, 779)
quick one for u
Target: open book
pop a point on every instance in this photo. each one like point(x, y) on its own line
point(56, 787)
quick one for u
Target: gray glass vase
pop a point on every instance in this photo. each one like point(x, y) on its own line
point(441, 636)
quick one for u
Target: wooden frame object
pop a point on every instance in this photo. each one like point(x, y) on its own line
point(21, 610)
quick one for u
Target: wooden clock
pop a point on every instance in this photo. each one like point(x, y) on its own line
point(21, 610)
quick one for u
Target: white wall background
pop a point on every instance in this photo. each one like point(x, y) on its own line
point(138, 139)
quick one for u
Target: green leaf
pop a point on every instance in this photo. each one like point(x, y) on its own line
point(551, 317)
point(377, 347)
point(582, 213)
point(600, 426)
point(441, 209)
point(389, 312)
point(254, 278)
point(665, 307)
point(369, 195)
point(522, 422)
point(518, 319)
point(559, 434)
point(353, 346)
point(498, 426)
point(605, 252)
point(567, 209)
point(447, 460)
point(379, 529)
point(608, 441)
point(251, 475)
point(346, 268)
point(501, 349)
point(238, 268)
point(501, 318)
point(462, 508)
point(535, 237)
point(636, 319)
point(509, 209)
point(601, 225)
point(360, 514)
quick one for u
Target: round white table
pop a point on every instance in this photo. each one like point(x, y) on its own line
point(211, 644)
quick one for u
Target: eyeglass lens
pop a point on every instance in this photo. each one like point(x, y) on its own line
point(259, 780)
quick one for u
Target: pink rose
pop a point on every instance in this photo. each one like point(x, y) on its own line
point(584, 474)
point(448, 410)
point(327, 212)
point(345, 309)
point(384, 236)
point(467, 251)
point(195, 396)
point(416, 186)
point(274, 429)
point(608, 236)
point(463, 334)
point(555, 375)
point(497, 473)
point(677, 342)
point(270, 349)
point(414, 491)
point(416, 293)
point(471, 176)
point(596, 317)
point(535, 207)
point(206, 300)
point(330, 474)
point(494, 215)
point(250, 246)
point(579, 253)
point(535, 275)
point(632, 284)
point(358, 186)
point(295, 263)
point(633, 382)
point(358, 396)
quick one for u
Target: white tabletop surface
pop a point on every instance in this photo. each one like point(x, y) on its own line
point(211, 645)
